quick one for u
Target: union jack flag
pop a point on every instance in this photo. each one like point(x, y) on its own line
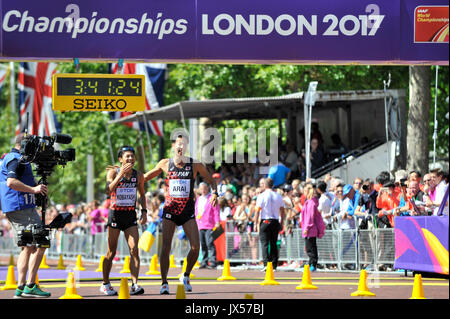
point(4, 71)
point(154, 89)
point(35, 98)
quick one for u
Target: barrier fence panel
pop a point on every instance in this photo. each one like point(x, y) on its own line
point(348, 249)
point(327, 247)
point(366, 248)
point(385, 246)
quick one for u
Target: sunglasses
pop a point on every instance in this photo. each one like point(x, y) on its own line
point(127, 149)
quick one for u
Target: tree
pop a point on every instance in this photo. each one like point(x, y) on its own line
point(418, 118)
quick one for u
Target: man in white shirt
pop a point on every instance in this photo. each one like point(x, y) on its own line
point(441, 187)
point(269, 210)
point(324, 204)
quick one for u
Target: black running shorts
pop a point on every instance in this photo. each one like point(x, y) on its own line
point(180, 219)
point(122, 219)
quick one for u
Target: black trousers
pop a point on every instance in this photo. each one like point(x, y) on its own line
point(208, 247)
point(311, 250)
point(268, 235)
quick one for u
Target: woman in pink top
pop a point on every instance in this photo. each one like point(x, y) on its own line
point(95, 217)
point(312, 226)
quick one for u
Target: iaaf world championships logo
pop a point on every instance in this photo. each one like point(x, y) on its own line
point(261, 149)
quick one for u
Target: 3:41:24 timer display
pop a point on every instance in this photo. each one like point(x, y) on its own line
point(99, 86)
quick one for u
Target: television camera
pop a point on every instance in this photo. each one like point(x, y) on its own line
point(41, 152)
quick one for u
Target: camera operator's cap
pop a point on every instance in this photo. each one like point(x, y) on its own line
point(347, 188)
point(400, 174)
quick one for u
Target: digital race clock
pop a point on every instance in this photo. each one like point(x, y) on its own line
point(98, 92)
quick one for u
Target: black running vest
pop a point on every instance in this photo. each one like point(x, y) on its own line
point(180, 188)
point(125, 194)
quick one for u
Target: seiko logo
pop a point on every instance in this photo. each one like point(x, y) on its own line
point(99, 104)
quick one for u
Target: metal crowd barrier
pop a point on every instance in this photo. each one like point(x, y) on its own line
point(344, 249)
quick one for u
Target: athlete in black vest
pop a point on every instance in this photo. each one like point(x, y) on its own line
point(123, 185)
point(179, 207)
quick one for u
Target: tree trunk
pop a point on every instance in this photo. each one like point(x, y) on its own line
point(418, 118)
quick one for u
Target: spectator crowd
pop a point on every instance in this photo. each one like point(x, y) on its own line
point(364, 204)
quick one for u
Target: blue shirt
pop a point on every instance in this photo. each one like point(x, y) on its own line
point(12, 200)
point(278, 173)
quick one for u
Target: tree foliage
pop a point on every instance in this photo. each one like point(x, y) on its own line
point(209, 81)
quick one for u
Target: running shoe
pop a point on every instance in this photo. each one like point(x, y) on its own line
point(136, 290)
point(18, 293)
point(108, 289)
point(186, 282)
point(34, 292)
point(164, 289)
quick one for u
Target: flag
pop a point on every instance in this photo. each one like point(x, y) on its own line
point(148, 237)
point(4, 71)
point(154, 89)
point(35, 98)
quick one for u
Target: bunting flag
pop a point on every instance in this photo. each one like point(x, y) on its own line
point(4, 71)
point(154, 89)
point(35, 98)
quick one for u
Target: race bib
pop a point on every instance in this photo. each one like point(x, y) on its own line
point(125, 196)
point(179, 188)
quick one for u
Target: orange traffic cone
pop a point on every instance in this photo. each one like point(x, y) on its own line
point(10, 283)
point(61, 263)
point(172, 262)
point(181, 294)
point(71, 289)
point(269, 280)
point(100, 264)
point(417, 292)
point(43, 264)
point(153, 269)
point(363, 290)
point(79, 265)
point(124, 292)
point(126, 266)
point(226, 274)
point(306, 280)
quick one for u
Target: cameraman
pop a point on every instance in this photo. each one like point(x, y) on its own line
point(17, 192)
